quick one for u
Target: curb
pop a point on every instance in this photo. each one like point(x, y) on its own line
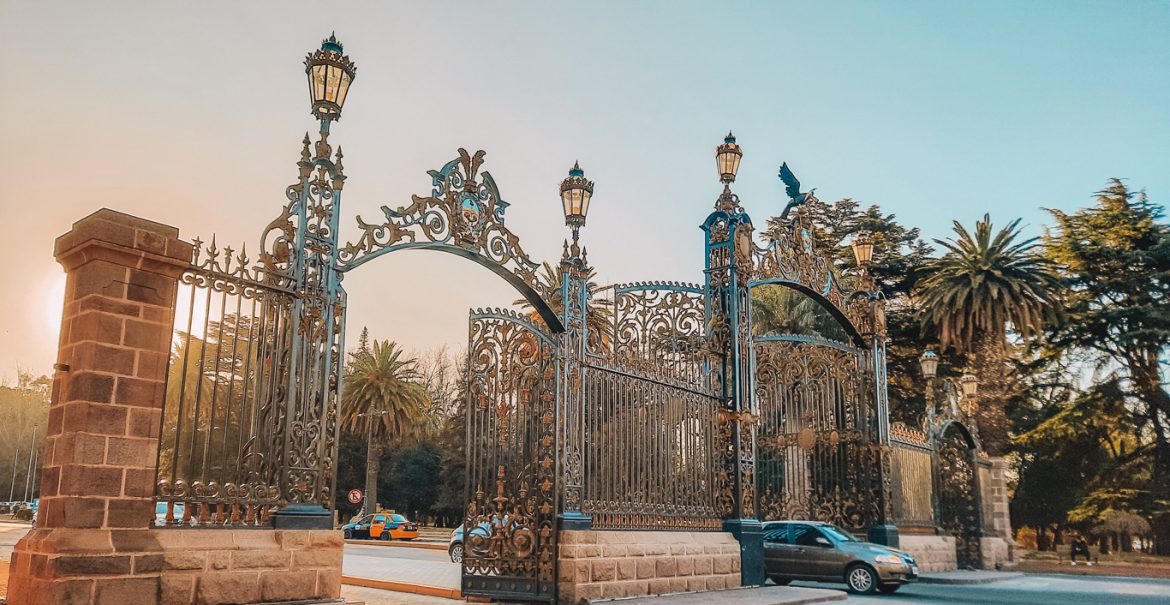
point(399, 544)
point(988, 578)
point(422, 589)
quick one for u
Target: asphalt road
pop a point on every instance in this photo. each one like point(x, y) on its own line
point(1029, 589)
point(10, 534)
point(414, 565)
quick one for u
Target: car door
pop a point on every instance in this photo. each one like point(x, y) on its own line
point(378, 526)
point(815, 553)
point(362, 529)
point(778, 552)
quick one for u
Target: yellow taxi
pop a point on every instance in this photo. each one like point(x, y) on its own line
point(382, 525)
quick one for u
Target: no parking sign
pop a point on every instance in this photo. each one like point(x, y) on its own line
point(355, 496)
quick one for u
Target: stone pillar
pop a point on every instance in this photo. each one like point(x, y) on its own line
point(94, 542)
point(101, 446)
point(996, 544)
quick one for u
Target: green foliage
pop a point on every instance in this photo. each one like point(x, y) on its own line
point(383, 379)
point(24, 406)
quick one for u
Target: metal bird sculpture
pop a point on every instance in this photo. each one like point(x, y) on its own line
point(792, 188)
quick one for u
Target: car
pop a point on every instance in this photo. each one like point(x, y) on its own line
point(160, 513)
point(380, 526)
point(822, 552)
point(455, 546)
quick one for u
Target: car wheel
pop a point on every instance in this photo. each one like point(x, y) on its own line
point(385, 537)
point(456, 552)
point(349, 534)
point(861, 579)
point(889, 588)
point(781, 581)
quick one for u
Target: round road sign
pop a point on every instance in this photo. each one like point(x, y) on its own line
point(355, 496)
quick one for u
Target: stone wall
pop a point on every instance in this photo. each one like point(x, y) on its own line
point(176, 566)
point(996, 553)
point(597, 564)
point(934, 553)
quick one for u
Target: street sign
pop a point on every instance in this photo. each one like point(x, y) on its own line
point(355, 496)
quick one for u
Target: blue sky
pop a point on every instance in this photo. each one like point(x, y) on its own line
point(192, 115)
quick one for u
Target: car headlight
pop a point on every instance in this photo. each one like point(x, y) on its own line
point(893, 559)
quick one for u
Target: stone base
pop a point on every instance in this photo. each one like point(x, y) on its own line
point(610, 564)
point(175, 566)
point(997, 553)
point(934, 553)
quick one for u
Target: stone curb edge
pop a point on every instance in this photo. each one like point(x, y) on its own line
point(422, 589)
point(399, 544)
point(1000, 577)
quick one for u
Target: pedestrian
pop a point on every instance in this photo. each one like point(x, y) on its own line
point(1080, 547)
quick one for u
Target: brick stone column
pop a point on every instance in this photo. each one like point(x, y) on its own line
point(101, 446)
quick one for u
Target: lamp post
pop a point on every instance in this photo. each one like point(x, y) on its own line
point(370, 454)
point(330, 72)
point(576, 191)
point(727, 158)
point(967, 385)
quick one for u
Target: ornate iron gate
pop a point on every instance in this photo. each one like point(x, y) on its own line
point(818, 450)
point(510, 525)
point(958, 490)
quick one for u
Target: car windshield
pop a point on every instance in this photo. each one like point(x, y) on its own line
point(398, 518)
point(838, 534)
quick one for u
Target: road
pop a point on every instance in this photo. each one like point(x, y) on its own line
point(1029, 589)
point(10, 534)
point(414, 565)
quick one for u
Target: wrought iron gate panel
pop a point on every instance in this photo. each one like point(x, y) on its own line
point(650, 413)
point(819, 455)
point(510, 525)
point(958, 495)
point(221, 449)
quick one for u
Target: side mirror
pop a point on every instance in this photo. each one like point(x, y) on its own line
point(822, 541)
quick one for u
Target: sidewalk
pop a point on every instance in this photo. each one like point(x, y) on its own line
point(766, 595)
point(967, 577)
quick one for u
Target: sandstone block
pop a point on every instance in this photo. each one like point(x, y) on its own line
point(120, 591)
point(224, 588)
point(604, 571)
point(665, 567)
point(287, 585)
point(645, 568)
point(627, 569)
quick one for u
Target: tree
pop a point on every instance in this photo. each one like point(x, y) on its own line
point(986, 285)
point(1116, 256)
point(382, 395)
point(24, 412)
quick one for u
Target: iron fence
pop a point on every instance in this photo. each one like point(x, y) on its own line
point(221, 444)
point(911, 477)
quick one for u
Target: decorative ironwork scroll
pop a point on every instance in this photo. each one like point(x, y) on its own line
point(958, 494)
point(510, 526)
point(251, 413)
point(791, 258)
point(819, 455)
point(464, 215)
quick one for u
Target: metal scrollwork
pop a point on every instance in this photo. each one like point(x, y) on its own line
point(958, 501)
point(464, 209)
point(511, 513)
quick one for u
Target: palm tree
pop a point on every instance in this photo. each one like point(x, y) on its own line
point(984, 287)
point(384, 397)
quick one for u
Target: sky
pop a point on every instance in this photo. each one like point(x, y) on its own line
point(191, 114)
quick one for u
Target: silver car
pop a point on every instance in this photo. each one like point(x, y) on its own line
point(808, 550)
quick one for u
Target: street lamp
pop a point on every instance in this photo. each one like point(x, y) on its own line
point(727, 157)
point(862, 248)
point(970, 384)
point(330, 73)
point(929, 363)
point(576, 191)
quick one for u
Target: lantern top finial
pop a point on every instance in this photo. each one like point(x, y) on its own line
point(576, 169)
point(332, 43)
point(730, 138)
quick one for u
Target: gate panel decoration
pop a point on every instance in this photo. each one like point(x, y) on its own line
point(510, 526)
point(911, 465)
point(818, 455)
point(958, 492)
point(820, 444)
point(250, 421)
point(650, 407)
